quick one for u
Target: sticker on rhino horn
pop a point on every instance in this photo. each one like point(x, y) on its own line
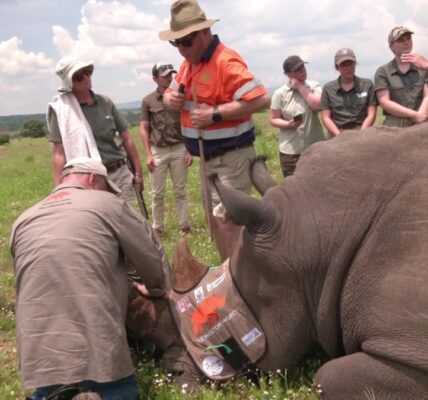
point(212, 365)
point(184, 304)
point(218, 281)
point(199, 294)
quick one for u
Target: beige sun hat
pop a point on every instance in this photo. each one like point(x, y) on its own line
point(86, 165)
point(65, 69)
point(186, 17)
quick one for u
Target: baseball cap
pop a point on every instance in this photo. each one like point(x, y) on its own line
point(65, 69)
point(86, 165)
point(162, 69)
point(292, 63)
point(344, 55)
point(397, 32)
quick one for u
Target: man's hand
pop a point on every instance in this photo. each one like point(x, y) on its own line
point(417, 59)
point(174, 100)
point(150, 163)
point(143, 290)
point(202, 116)
point(188, 159)
point(420, 117)
point(138, 182)
point(295, 84)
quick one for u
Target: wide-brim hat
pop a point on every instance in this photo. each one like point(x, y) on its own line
point(186, 17)
point(67, 67)
point(86, 165)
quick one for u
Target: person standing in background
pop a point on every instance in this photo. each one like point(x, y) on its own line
point(348, 102)
point(401, 88)
point(165, 151)
point(294, 110)
point(83, 123)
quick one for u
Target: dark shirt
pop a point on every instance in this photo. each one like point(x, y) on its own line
point(406, 89)
point(164, 125)
point(348, 107)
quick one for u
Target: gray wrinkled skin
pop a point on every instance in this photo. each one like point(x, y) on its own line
point(337, 254)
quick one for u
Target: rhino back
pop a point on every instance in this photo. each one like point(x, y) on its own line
point(367, 195)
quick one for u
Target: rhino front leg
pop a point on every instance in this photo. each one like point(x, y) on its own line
point(360, 376)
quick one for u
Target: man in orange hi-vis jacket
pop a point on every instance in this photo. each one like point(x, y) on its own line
point(216, 95)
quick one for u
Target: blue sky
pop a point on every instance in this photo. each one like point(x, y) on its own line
point(121, 38)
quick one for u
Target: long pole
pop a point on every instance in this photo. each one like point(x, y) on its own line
point(204, 179)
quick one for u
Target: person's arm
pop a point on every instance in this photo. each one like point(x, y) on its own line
point(370, 119)
point(132, 153)
point(145, 138)
point(329, 123)
point(142, 250)
point(276, 120)
point(398, 110)
point(424, 106)
point(58, 160)
point(311, 97)
point(417, 59)
point(202, 115)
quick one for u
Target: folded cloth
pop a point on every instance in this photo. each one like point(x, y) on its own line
point(77, 137)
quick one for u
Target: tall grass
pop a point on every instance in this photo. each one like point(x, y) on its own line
point(26, 177)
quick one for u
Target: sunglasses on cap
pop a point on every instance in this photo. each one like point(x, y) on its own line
point(79, 75)
point(187, 41)
point(165, 67)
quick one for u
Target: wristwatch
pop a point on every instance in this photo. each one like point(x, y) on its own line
point(216, 117)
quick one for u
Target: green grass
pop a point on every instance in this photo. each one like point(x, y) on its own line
point(26, 177)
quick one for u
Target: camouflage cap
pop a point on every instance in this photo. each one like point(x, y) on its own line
point(397, 32)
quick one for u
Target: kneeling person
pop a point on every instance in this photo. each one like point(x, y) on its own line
point(69, 257)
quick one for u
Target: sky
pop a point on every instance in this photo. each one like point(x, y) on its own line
point(121, 38)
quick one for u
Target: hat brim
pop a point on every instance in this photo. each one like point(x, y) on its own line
point(340, 60)
point(67, 82)
point(166, 72)
point(172, 35)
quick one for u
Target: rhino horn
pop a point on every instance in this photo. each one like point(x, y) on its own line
point(260, 175)
point(187, 270)
point(244, 209)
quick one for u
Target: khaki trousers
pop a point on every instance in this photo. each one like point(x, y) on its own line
point(169, 158)
point(123, 178)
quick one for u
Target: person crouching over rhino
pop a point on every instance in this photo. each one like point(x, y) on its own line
point(72, 288)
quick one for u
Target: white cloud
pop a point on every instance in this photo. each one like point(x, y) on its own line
point(14, 61)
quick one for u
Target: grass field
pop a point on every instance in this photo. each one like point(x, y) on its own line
point(26, 177)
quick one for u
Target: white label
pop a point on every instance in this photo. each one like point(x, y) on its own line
point(218, 281)
point(184, 304)
point(199, 294)
point(212, 365)
point(251, 336)
point(362, 94)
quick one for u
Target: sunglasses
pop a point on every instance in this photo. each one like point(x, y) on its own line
point(187, 41)
point(79, 75)
point(165, 67)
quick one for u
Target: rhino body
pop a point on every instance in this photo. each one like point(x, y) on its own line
point(338, 254)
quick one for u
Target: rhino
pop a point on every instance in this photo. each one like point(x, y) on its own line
point(336, 254)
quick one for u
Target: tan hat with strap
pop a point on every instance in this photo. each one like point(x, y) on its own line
point(186, 17)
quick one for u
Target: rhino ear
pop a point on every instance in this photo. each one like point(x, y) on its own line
point(260, 175)
point(187, 270)
point(244, 209)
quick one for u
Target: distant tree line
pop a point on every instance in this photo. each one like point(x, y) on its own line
point(35, 125)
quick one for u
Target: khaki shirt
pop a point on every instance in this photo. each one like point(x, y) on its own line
point(106, 122)
point(72, 285)
point(405, 89)
point(291, 103)
point(348, 107)
point(164, 125)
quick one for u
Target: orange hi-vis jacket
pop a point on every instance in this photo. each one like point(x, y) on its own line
point(220, 77)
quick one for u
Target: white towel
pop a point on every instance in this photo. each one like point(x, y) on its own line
point(77, 137)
